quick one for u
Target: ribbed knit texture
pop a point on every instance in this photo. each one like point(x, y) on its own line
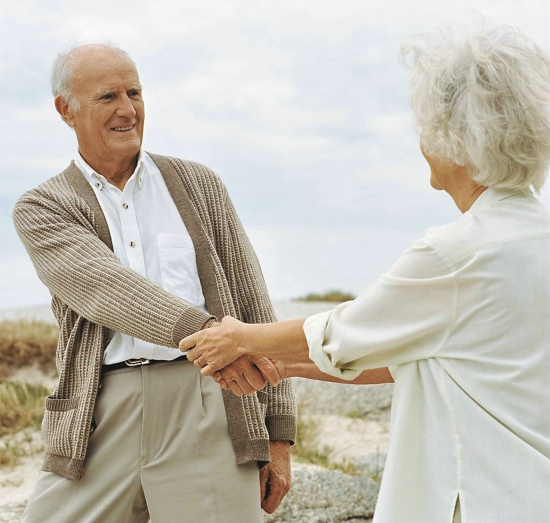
point(66, 235)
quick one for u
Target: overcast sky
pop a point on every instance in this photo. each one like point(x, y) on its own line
point(300, 106)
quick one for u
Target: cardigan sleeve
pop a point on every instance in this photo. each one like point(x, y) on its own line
point(76, 266)
point(255, 306)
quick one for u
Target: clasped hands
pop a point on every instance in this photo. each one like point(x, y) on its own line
point(218, 352)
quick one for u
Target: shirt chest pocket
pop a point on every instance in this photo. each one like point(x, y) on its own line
point(178, 268)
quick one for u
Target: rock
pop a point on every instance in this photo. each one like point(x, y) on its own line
point(12, 512)
point(326, 496)
point(356, 401)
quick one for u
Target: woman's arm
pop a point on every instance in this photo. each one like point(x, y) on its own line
point(212, 349)
point(312, 372)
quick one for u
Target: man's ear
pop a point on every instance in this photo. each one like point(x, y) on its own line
point(65, 110)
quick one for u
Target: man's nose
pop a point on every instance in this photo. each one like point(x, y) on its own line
point(125, 107)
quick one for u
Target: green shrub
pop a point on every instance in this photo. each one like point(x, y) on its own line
point(332, 296)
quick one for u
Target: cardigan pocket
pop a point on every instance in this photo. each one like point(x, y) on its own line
point(57, 425)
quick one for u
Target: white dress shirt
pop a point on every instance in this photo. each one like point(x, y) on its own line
point(463, 321)
point(149, 236)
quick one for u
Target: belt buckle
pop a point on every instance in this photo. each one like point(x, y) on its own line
point(136, 362)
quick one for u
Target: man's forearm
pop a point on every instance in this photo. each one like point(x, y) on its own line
point(85, 274)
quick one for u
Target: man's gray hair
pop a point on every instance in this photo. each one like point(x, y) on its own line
point(484, 102)
point(62, 71)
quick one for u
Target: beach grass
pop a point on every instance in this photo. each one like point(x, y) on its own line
point(307, 448)
point(21, 406)
point(21, 412)
point(27, 343)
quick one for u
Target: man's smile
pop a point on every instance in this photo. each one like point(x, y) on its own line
point(122, 129)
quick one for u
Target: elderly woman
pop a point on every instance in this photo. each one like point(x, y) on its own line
point(461, 322)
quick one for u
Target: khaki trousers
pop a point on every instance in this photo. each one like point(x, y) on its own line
point(161, 449)
point(457, 517)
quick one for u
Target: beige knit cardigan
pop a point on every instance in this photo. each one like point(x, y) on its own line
point(67, 237)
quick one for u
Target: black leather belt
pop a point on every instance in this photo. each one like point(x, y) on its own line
point(137, 363)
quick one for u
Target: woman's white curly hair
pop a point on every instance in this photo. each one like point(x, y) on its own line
point(483, 102)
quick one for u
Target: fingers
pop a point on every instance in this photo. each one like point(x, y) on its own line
point(188, 343)
point(273, 489)
point(193, 353)
point(268, 370)
point(279, 478)
point(254, 377)
point(207, 370)
point(264, 476)
point(232, 384)
point(244, 374)
point(239, 383)
point(216, 347)
point(236, 388)
point(272, 499)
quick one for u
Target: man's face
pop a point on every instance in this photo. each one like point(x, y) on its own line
point(109, 122)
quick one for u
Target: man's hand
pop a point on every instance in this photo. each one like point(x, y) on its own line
point(248, 374)
point(275, 478)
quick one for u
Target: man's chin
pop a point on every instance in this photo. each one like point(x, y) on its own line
point(127, 146)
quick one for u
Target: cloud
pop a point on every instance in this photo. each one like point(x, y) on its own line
point(19, 285)
point(300, 106)
point(299, 260)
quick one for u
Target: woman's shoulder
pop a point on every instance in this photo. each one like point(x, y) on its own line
point(455, 241)
point(452, 234)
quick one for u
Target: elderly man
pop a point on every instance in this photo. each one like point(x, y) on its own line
point(139, 251)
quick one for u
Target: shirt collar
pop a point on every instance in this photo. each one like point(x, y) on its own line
point(100, 182)
point(491, 195)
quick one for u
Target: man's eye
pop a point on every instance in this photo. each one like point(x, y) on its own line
point(108, 96)
point(134, 94)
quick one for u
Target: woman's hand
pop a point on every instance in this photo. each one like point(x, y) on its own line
point(214, 348)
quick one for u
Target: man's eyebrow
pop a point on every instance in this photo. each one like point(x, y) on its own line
point(104, 92)
point(111, 91)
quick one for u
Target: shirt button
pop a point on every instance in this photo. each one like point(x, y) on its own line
point(132, 244)
point(125, 206)
point(98, 184)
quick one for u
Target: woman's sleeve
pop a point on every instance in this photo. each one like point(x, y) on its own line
point(404, 316)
